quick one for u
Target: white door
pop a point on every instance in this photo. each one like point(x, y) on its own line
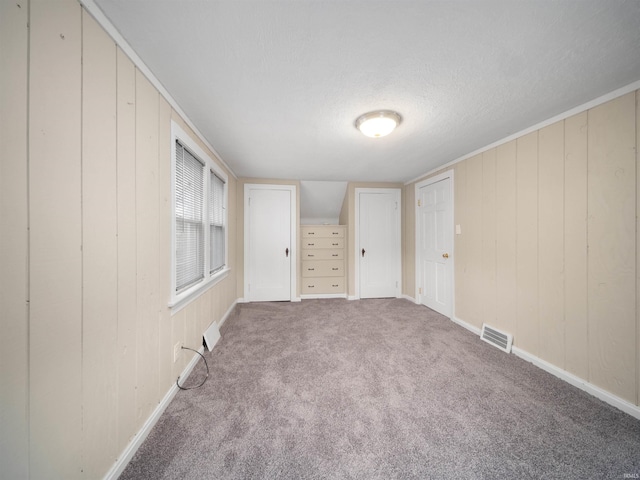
point(378, 242)
point(269, 241)
point(434, 246)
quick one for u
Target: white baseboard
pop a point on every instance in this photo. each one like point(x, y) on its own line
point(296, 299)
point(570, 378)
point(466, 325)
point(582, 384)
point(352, 297)
point(228, 312)
point(127, 454)
point(411, 299)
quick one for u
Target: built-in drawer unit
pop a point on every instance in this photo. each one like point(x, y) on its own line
point(323, 260)
point(322, 285)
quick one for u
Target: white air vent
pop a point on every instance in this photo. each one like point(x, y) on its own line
point(496, 338)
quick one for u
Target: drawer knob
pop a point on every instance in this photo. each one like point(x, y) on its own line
point(310, 244)
point(311, 269)
point(334, 244)
point(335, 269)
point(334, 285)
point(334, 255)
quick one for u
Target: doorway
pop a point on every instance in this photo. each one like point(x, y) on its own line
point(270, 238)
point(434, 243)
point(378, 267)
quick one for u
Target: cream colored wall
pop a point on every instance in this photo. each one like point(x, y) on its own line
point(14, 251)
point(87, 338)
point(240, 226)
point(348, 217)
point(548, 244)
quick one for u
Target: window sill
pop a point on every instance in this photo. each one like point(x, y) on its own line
point(185, 298)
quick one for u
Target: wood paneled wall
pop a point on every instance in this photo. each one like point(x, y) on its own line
point(549, 240)
point(87, 337)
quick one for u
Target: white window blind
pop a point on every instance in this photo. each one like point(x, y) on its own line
point(216, 222)
point(189, 193)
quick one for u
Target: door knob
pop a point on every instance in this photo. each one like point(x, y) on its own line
point(286, 251)
point(445, 255)
point(363, 252)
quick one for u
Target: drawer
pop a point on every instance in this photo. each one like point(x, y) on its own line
point(312, 243)
point(322, 231)
point(323, 285)
point(323, 268)
point(323, 254)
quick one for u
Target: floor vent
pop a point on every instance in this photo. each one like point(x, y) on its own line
point(496, 338)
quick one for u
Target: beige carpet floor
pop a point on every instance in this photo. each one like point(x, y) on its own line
point(378, 389)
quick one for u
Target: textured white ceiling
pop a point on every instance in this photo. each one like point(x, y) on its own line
point(275, 86)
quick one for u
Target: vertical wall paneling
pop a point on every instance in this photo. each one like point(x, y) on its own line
point(177, 335)
point(165, 348)
point(14, 352)
point(99, 249)
point(489, 237)
point(506, 237)
point(473, 244)
point(526, 334)
point(551, 243)
point(127, 255)
point(611, 237)
point(459, 241)
point(409, 244)
point(55, 239)
point(575, 245)
point(146, 245)
point(637, 247)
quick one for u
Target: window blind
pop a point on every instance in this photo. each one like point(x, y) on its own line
point(189, 219)
point(216, 221)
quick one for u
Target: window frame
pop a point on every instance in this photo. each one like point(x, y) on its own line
point(180, 300)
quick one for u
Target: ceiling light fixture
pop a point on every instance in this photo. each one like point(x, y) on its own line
point(379, 123)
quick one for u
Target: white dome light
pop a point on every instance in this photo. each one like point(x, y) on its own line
point(378, 124)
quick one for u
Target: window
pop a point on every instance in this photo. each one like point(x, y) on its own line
point(199, 231)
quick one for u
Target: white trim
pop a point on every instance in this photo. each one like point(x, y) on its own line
point(562, 116)
point(411, 299)
point(228, 312)
point(197, 290)
point(352, 297)
point(580, 383)
point(127, 454)
point(97, 13)
point(468, 326)
point(293, 294)
point(323, 295)
point(178, 301)
point(356, 252)
point(429, 181)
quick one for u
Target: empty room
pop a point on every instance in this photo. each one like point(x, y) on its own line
point(319, 239)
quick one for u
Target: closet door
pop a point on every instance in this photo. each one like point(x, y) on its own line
point(269, 242)
point(378, 242)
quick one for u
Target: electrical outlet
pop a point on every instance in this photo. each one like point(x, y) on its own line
point(176, 351)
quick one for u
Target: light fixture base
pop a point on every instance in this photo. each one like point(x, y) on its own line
point(378, 123)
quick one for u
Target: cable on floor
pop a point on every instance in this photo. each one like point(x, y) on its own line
point(205, 378)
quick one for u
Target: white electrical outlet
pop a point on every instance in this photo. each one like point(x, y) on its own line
point(176, 351)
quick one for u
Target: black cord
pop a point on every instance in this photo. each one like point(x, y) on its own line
point(205, 378)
